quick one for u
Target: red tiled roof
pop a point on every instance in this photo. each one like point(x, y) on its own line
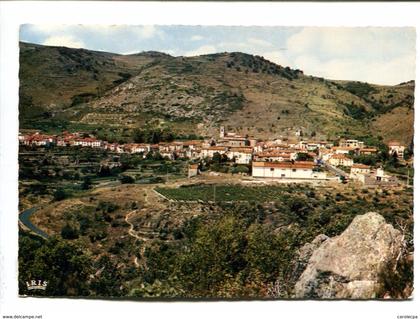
point(87, 139)
point(394, 143)
point(361, 166)
point(247, 150)
point(305, 165)
point(235, 138)
point(215, 148)
point(343, 148)
point(273, 154)
point(283, 151)
point(340, 156)
point(193, 142)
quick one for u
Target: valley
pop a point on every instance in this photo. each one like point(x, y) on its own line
point(215, 176)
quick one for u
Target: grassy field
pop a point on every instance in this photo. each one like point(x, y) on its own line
point(227, 193)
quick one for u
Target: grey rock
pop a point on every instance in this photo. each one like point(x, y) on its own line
point(348, 265)
point(304, 254)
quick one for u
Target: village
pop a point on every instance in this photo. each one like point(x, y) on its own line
point(283, 159)
point(210, 163)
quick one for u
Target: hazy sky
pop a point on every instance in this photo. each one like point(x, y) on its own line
point(376, 55)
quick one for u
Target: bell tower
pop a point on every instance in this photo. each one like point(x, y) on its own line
point(222, 132)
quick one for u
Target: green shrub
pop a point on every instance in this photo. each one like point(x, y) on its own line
point(59, 194)
point(126, 179)
point(69, 232)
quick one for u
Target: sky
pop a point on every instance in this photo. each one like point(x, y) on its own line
point(381, 55)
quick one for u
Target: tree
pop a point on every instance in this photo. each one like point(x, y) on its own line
point(302, 157)
point(59, 194)
point(155, 137)
point(156, 156)
point(217, 158)
point(408, 152)
point(366, 159)
point(139, 136)
point(264, 252)
point(216, 253)
point(167, 135)
point(69, 232)
point(299, 207)
point(126, 179)
point(63, 265)
point(87, 183)
point(109, 281)
point(393, 160)
point(239, 169)
point(104, 171)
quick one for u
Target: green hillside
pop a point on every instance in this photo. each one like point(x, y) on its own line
point(82, 89)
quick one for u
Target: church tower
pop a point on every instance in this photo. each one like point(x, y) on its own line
point(222, 132)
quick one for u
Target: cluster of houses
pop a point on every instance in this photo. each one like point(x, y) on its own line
point(372, 177)
point(279, 158)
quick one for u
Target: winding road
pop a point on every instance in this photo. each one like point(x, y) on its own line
point(25, 219)
point(151, 200)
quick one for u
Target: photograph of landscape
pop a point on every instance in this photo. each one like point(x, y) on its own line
point(216, 162)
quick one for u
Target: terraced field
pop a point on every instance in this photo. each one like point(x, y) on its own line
point(230, 193)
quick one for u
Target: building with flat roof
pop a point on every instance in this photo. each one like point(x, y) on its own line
point(286, 170)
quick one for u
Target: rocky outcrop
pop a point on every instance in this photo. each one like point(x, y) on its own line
point(349, 265)
point(304, 254)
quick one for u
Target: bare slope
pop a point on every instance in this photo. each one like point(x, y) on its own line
point(197, 94)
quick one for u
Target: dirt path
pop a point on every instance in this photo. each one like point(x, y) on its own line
point(151, 201)
point(131, 231)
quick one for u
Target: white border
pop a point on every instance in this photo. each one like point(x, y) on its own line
point(12, 14)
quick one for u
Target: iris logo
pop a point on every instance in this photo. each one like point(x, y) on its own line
point(37, 284)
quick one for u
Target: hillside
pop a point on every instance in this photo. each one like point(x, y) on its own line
point(77, 88)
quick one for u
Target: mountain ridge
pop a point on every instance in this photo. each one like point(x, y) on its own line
point(247, 93)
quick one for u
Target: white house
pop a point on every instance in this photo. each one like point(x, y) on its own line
point(193, 170)
point(114, 147)
point(325, 154)
point(377, 178)
point(37, 139)
point(137, 148)
point(170, 147)
point(62, 141)
point(169, 154)
point(359, 169)
point(210, 151)
point(368, 151)
point(259, 147)
point(87, 142)
point(241, 155)
point(309, 145)
point(21, 137)
point(396, 148)
point(352, 143)
point(286, 170)
point(274, 156)
point(193, 153)
point(313, 146)
point(342, 149)
point(358, 172)
point(340, 160)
